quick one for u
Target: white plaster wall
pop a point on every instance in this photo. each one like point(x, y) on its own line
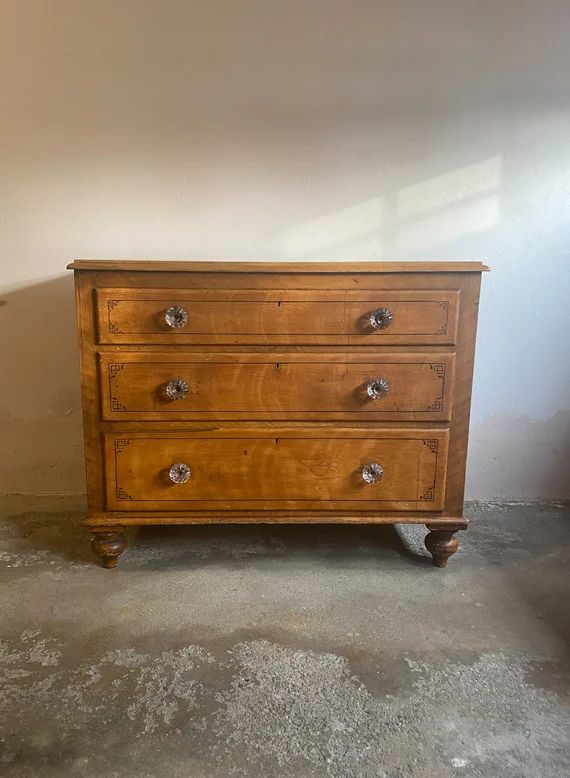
point(291, 130)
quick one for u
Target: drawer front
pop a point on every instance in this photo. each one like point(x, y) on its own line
point(289, 469)
point(174, 387)
point(365, 317)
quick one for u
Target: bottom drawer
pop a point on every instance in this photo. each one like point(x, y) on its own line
point(277, 469)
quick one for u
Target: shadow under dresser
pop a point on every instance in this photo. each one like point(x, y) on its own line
point(238, 392)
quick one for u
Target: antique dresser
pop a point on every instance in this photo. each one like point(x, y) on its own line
point(274, 392)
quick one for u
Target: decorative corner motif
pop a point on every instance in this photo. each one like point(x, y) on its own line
point(433, 446)
point(120, 444)
point(114, 368)
point(113, 329)
point(438, 368)
point(445, 305)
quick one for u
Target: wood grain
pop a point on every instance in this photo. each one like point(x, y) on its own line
point(195, 266)
point(137, 315)
point(302, 516)
point(317, 386)
point(298, 468)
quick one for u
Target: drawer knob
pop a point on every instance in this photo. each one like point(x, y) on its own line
point(176, 317)
point(372, 473)
point(177, 389)
point(180, 473)
point(377, 388)
point(381, 318)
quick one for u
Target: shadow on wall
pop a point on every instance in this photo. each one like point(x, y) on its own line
point(40, 406)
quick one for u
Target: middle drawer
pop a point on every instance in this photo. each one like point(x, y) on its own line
point(167, 386)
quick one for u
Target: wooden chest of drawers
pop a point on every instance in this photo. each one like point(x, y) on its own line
point(252, 392)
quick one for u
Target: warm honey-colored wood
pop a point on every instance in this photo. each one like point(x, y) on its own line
point(292, 355)
point(90, 401)
point(459, 429)
point(193, 266)
point(300, 468)
point(233, 280)
point(276, 316)
point(362, 516)
point(315, 386)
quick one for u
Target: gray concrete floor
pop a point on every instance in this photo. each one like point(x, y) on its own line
point(286, 651)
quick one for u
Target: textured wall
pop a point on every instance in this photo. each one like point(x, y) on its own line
point(289, 130)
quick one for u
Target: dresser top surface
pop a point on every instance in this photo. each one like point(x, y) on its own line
point(181, 266)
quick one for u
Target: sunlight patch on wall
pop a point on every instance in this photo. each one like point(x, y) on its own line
point(335, 228)
point(447, 226)
point(449, 189)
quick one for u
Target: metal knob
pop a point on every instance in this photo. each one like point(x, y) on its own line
point(377, 388)
point(177, 389)
point(180, 473)
point(381, 318)
point(372, 473)
point(176, 317)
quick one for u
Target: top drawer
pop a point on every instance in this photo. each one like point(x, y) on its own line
point(202, 316)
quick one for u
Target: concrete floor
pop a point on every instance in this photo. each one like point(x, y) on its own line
point(286, 651)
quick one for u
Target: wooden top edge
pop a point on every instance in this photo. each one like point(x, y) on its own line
point(182, 266)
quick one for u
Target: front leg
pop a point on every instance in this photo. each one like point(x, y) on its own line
point(108, 543)
point(441, 543)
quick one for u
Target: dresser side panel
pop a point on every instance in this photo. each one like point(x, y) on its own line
point(90, 399)
point(465, 354)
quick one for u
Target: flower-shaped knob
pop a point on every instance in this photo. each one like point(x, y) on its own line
point(381, 318)
point(176, 317)
point(377, 388)
point(372, 473)
point(177, 389)
point(180, 473)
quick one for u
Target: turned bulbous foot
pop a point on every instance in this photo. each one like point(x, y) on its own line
point(108, 545)
point(441, 543)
